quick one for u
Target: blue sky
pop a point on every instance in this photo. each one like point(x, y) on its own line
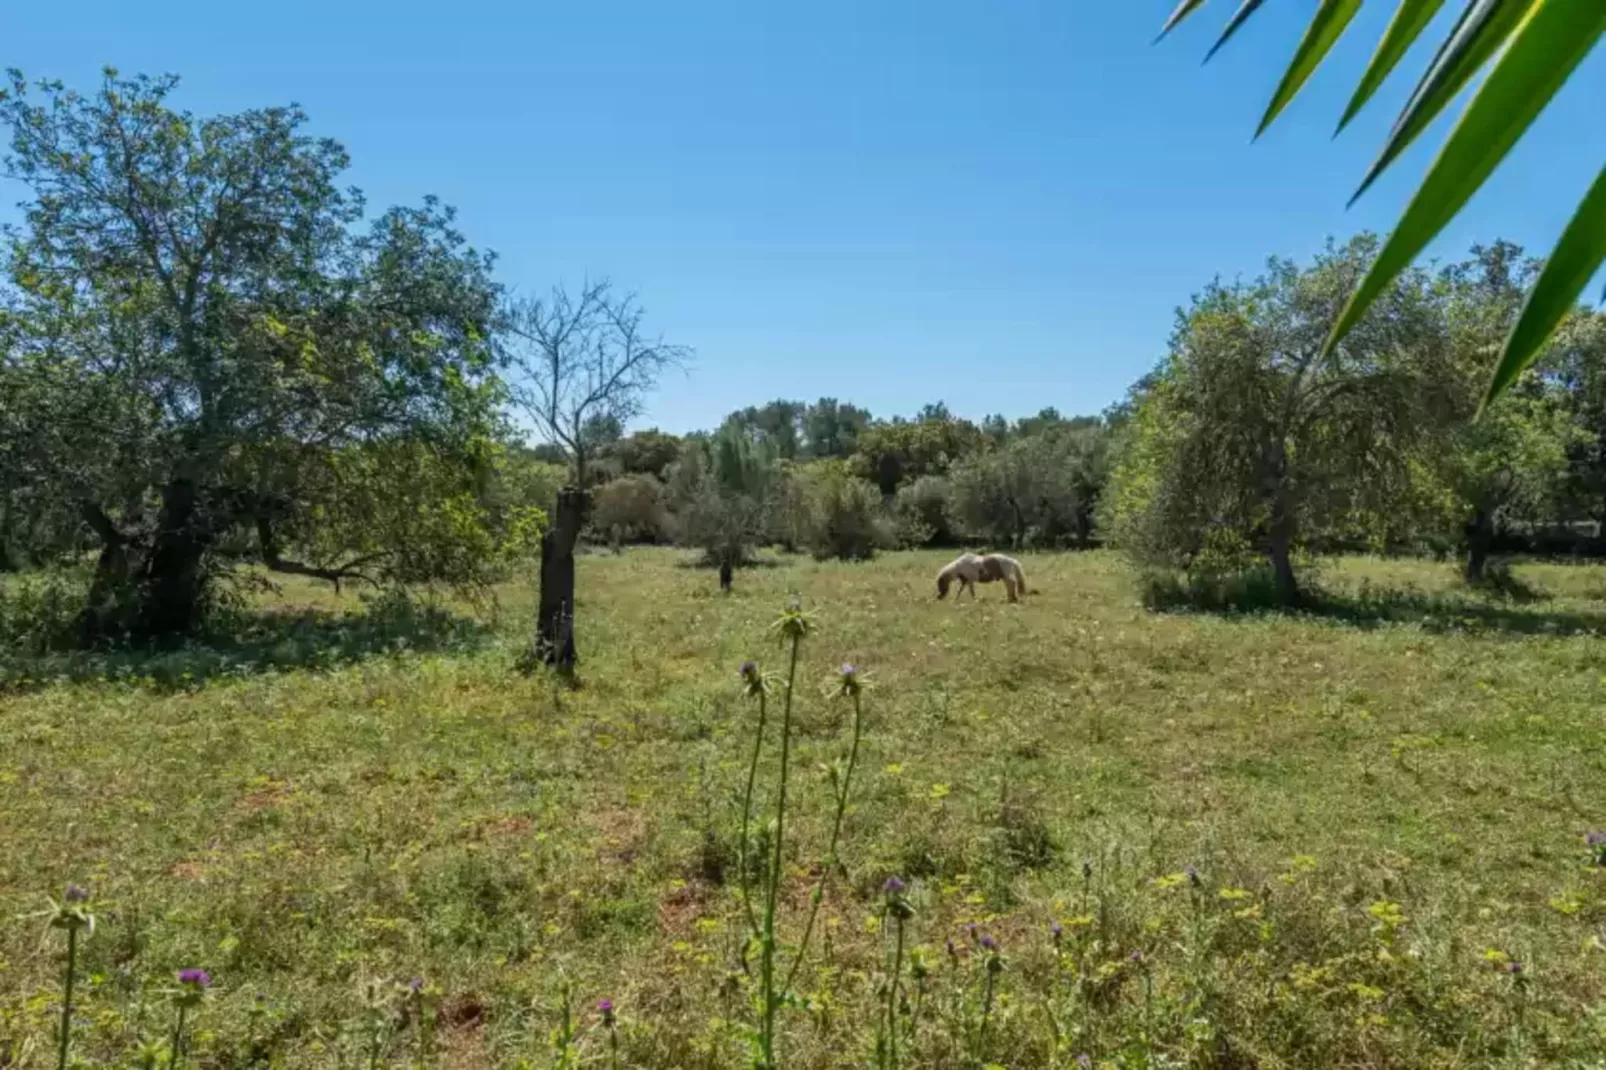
point(998, 205)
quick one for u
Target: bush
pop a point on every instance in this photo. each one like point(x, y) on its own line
point(39, 611)
point(845, 518)
point(921, 509)
point(630, 509)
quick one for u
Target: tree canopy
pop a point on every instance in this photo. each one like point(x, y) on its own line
point(220, 362)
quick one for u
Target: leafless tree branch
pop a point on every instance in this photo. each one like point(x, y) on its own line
point(577, 357)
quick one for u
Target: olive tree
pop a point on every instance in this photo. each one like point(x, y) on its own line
point(223, 362)
point(1508, 467)
point(1255, 439)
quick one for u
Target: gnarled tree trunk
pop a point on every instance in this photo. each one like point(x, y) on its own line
point(1279, 551)
point(1480, 536)
point(554, 623)
point(173, 579)
point(150, 586)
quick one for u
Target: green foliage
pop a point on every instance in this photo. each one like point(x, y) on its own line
point(1041, 487)
point(215, 347)
point(647, 453)
point(922, 509)
point(38, 611)
point(721, 492)
point(844, 517)
point(893, 453)
point(1252, 430)
point(1535, 47)
point(630, 509)
point(1508, 468)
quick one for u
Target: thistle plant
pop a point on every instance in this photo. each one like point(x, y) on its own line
point(610, 1022)
point(773, 989)
point(1595, 840)
point(192, 986)
point(992, 965)
point(899, 911)
point(71, 914)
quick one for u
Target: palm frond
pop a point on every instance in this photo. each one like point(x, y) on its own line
point(1539, 44)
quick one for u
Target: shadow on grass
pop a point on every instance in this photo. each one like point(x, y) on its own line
point(246, 643)
point(1509, 608)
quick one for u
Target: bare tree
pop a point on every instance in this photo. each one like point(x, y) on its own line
point(575, 359)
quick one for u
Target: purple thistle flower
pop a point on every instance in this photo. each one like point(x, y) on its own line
point(1595, 838)
point(970, 930)
point(953, 952)
point(1084, 1059)
point(1056, 931)
point(1136, 958)
point(1514, 967)
point(894, 886)
point(748, 669)
point(75, 894)
point(988, 943)
point(195, 978)
point(849, 670)
point(1193, 876)
point(606, 1008)
point(416, 984)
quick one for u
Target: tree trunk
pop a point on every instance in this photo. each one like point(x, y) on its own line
point(110, 591)
point(554, 626)
point(173, 580)
point(725, 572)
point(1279, 551)
point(1480, 534)
point(154, 589)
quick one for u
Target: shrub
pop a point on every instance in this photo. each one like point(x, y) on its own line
point(630, 509)
point(39, 611)
point(921, 509)
point(845, 518)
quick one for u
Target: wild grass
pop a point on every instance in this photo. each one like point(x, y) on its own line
point(1348, 837)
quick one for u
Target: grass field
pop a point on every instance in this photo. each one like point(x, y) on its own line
point(1383, 804)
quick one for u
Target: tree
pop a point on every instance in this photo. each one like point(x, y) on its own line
point(891, 453)
point(844, 514)
point(1509, 467)
point(1254, 439)
point(630, 508)
point(831, 428)
point(1041, 487)
point(1538, 45)
point(1577, 356)
point(650, 453)
point(779, 425)
point(582, 365)
point(214, 351)
point(924, 511)
point(721, 491)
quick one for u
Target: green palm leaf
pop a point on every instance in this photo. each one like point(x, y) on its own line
point(1239, 17)
point(1575, 260)
point(1483, 27)
point(1325, 28)
point(1410, 19)
point(1551, 41)
point(1182, 11)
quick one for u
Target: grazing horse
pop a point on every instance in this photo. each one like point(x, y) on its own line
point(971, 569)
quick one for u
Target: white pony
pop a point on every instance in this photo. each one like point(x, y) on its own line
point(971, 569)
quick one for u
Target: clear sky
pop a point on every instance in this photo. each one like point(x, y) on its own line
point(998, 205)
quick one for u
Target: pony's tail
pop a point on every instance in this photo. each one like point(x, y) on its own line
point(1020, 580)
